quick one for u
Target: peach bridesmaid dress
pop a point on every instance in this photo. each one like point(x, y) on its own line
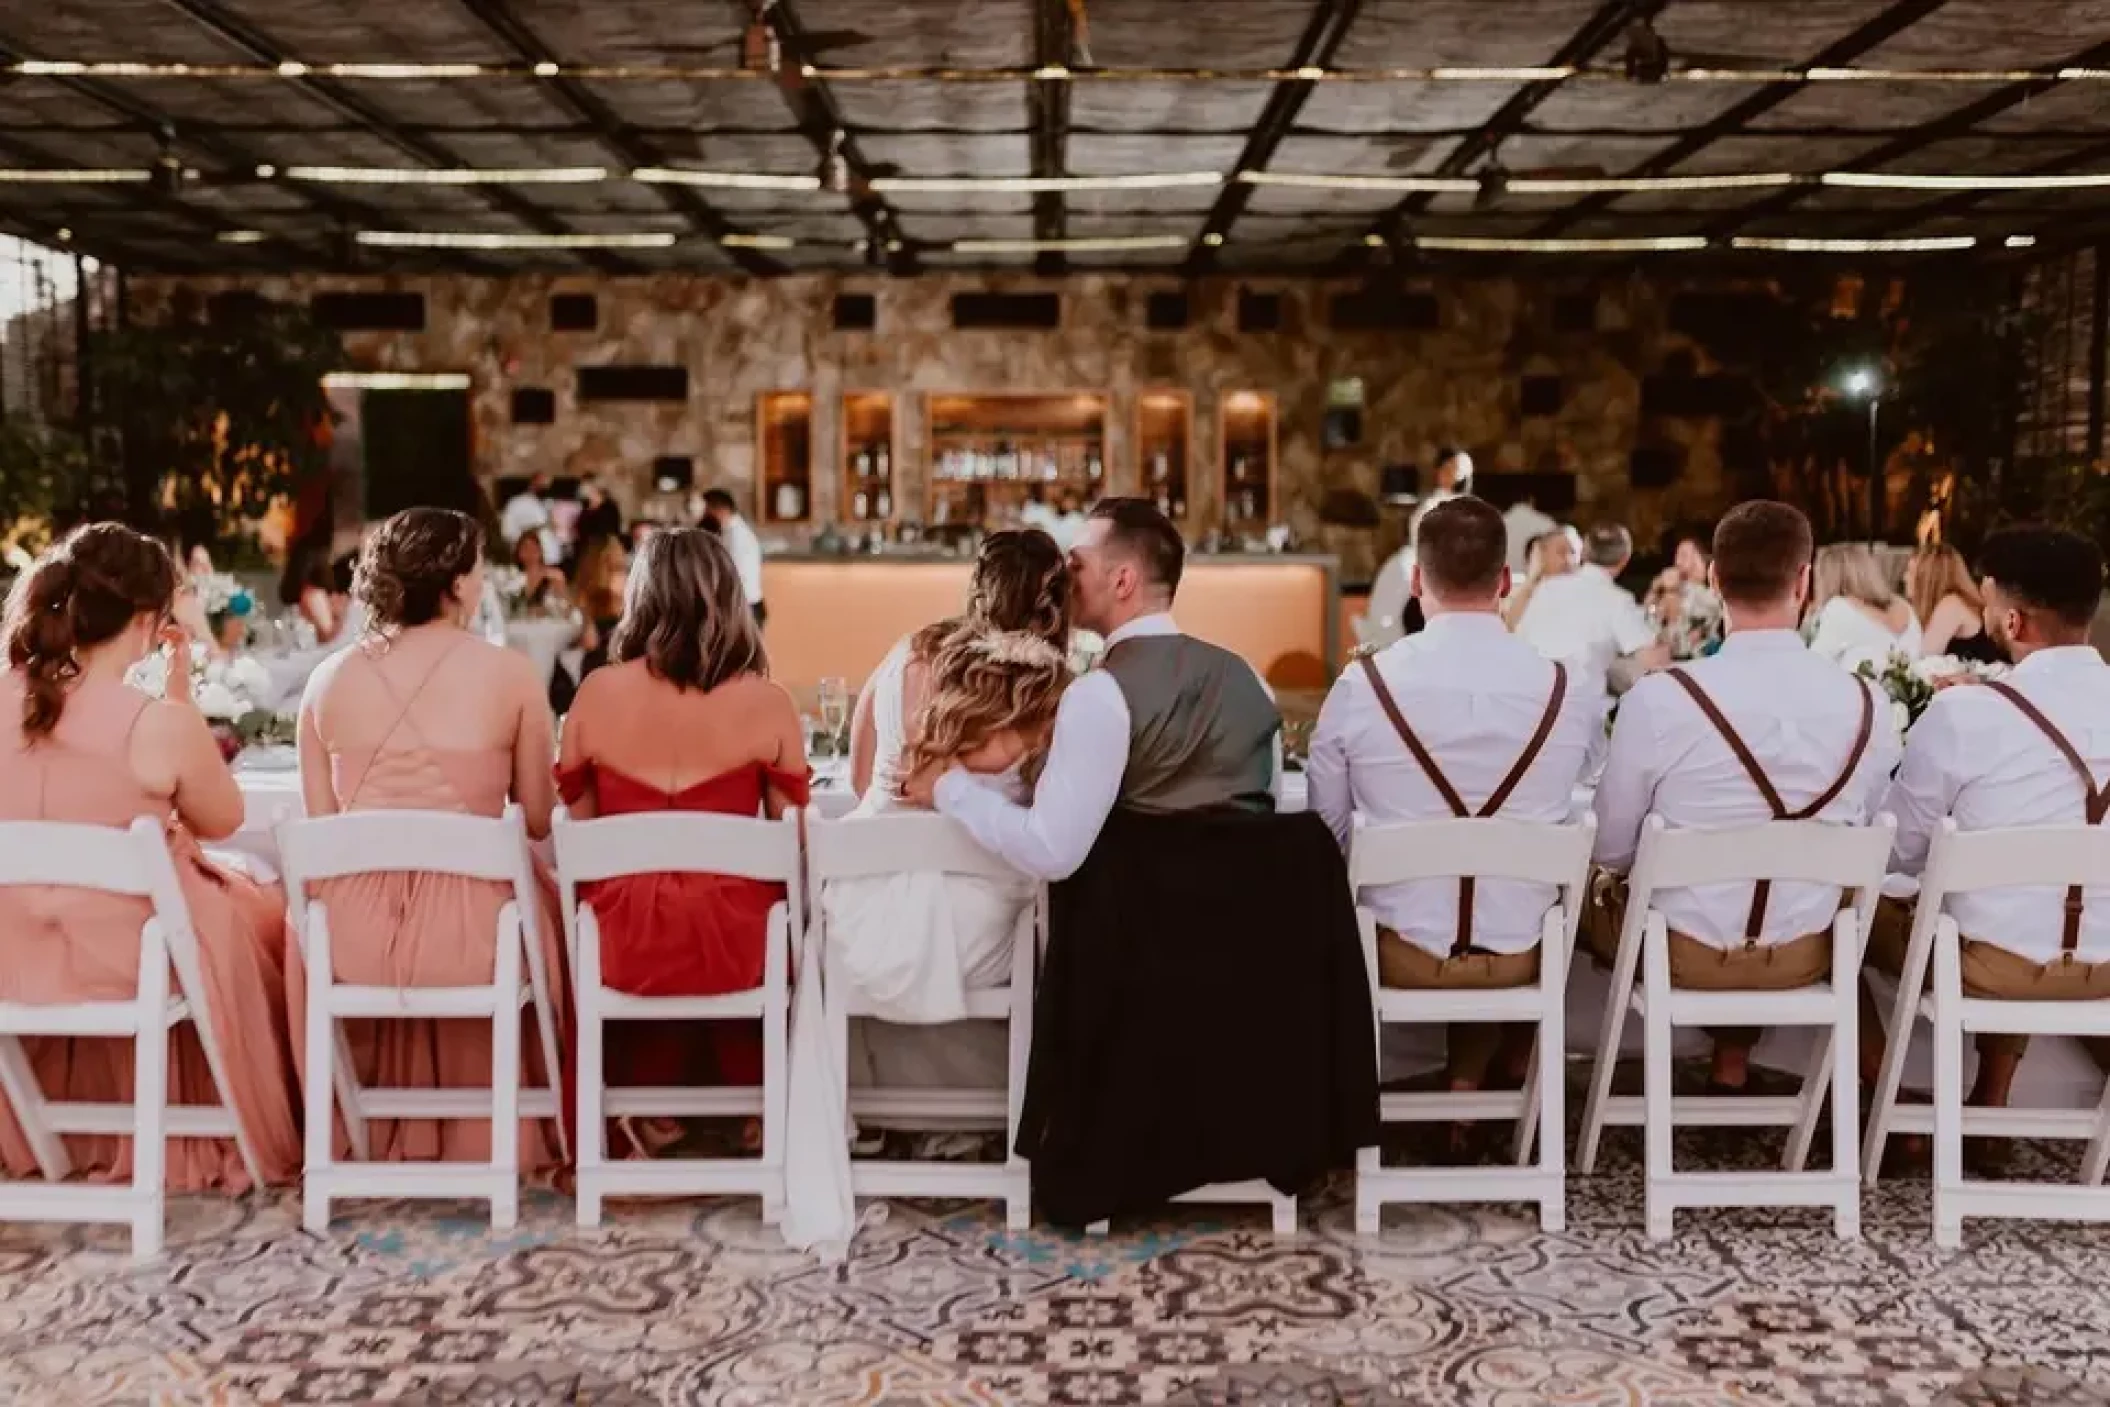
point(422, 930)
point(65, 945)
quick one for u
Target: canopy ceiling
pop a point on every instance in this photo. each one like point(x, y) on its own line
point(1233, 106)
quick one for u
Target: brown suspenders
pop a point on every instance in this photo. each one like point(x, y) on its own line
point(1464, 941)
point(1754, 923)
point(2096, 800)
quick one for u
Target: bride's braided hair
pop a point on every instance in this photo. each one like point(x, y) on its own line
point(1021, 583)
point(984, 682)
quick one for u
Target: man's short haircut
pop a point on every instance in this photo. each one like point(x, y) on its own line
point(2047, 569)
point(1608, 546)
point(1137, 528)
point(719, 498)
point(1461, 548)
point(1760, 548)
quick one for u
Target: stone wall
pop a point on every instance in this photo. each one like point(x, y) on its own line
point(1460, 382)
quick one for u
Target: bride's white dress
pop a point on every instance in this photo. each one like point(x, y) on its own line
point(912, 946)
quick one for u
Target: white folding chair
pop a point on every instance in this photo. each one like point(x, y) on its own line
point(679, 843)
point(1961, 862)
point(905, 844)
point(133, 862)
point(1490, 849)
point(1850, 857)
point(434, 843)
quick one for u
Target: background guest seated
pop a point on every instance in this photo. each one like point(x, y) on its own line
point(1591, 623)
point(421, 715)
point(1859, 619)
point(1952, 614)
point(2027, 750)
point(1461, 719)
point(78, 745)
point(683, 718)
point(1763, 730)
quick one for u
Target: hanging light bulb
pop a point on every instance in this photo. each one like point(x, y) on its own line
point(760, 49)
point(834, 174)
point(1647, 56)
point(1494, 181)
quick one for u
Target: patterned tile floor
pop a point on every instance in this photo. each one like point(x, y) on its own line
point(698, 1303)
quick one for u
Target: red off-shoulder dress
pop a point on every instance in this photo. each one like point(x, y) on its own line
point(682, 935)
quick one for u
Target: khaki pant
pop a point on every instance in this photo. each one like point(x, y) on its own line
point(1702, 967)
point(1402, 964)
point(1992, 972)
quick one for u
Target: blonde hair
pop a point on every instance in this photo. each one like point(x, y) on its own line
point(1852, 570)
point(1939, 572)
point(983, 683)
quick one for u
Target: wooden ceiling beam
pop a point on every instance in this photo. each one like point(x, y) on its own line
point(620, 139)
point(1951, 124)
point(1048, 106)
point(1323, 33)
point(231, 29)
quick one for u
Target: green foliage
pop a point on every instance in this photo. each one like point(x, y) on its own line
point(43, 472)
point(220, 418)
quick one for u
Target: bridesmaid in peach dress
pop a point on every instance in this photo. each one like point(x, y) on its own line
point(683, 718)
point(420, 715)
point(78, 744)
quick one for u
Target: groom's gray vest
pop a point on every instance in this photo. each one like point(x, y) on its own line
point(1201, 729)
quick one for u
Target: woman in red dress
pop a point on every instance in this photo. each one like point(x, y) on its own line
point(683, 718)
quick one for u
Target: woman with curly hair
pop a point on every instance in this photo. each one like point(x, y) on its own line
point(421, 715)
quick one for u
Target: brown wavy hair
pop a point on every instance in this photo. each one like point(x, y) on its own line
point(1938, 572)
point(984, 682)
point(686, 615)
point(80, 594)
point(1021, 582)
point(408, 569)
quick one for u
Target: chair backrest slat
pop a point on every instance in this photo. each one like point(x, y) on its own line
point(1490, 849)
point(76, 856)
point(1960, 861)
point(1785, 852)
point(897, 844)
point(676, 842)
point(420, 842)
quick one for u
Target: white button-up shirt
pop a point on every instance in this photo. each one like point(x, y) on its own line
point(1474, 695)
point(1587, 621)
point(1974, 756)
point(1523, 523)
point(1050, 836)
point(1798, 714)
point(740, 540)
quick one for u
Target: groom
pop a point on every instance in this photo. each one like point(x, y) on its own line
point(1168, 723)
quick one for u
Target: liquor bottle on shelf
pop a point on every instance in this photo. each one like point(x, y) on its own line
point(881, 461)
point(864, 464)
point(1093, 469)
point(858, 506)
point(791, 502)
point(885, 504)
point(1179, 509)
point(1164, 503)
point(1160, 468)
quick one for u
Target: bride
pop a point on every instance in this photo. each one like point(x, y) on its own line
point(1020, 584)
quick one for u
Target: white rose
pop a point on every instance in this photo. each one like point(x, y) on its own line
point(249, 677)
point(216, 700)
point(1900, 716)
point(1935, 668)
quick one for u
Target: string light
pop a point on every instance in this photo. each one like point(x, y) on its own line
point(726, 180)
point(756, 241)
point(1102, 245)
point(446, 176)
point(1933, 244)
point(1322, 181)
point(1660, 244)
point(396, 381)
point(931, 185)
point(240, 237)
point(1904, 181)
point(471, 239)
point(73, 176)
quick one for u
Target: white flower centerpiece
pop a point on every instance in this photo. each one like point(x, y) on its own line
point(510, 582)
point(228, 692)
point(1912, 684)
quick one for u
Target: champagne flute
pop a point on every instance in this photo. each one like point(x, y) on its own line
point(835, 710)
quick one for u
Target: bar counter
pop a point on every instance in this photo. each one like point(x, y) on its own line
point(839, 615)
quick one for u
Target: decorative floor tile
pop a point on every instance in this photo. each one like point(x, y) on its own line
point(699, 1303)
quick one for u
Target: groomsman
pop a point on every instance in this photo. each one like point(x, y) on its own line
point(1764, 730)
point(1463, 719)
point(1586, 618)
point(2028, 750)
